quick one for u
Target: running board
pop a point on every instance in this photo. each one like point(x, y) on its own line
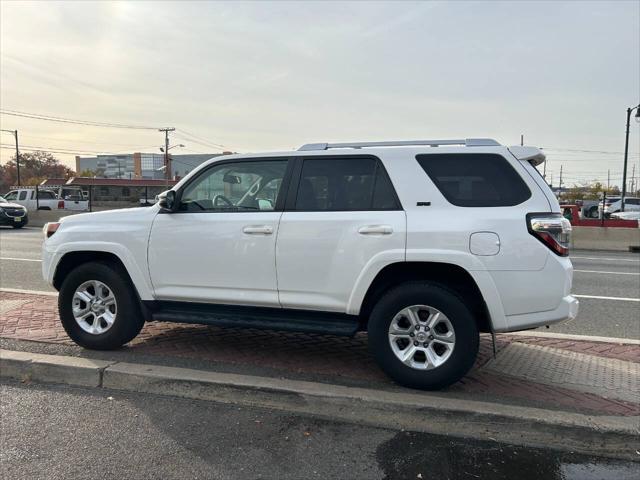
point(329, 323)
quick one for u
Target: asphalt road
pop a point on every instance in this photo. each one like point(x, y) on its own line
point(58, 432)
point(614, 275)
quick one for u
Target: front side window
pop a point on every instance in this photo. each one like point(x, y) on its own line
point(241, 186)
point(344, 184)
point(11, 196)
point(475, 179)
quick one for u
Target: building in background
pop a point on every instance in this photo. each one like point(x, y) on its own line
point(140, 165)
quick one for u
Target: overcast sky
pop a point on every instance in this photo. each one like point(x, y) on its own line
point(270, 76)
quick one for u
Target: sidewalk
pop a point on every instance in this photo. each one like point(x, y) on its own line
point(588, 377)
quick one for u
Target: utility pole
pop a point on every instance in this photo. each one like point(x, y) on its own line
point(633, 179)
point(626, 154)
point(167, 167)
point(560, 184)
point(544, 170)
point(15, 135)
point(608, 179)
point(521, 139)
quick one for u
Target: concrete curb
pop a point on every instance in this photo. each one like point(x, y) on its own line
point(52, 368)
point(434, 413)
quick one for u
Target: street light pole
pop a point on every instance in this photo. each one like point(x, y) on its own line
point(15, 135)
point(626, 154)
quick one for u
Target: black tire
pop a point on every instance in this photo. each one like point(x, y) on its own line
point(129, 320)
point(18, 225)
point(464, 353)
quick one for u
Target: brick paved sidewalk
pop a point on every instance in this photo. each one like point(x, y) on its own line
point(546, 384)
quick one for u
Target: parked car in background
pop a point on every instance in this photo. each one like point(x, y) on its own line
point(421, 247)
point(589, 208)
point(614, 204)
point(627, 215)
point(13, 214)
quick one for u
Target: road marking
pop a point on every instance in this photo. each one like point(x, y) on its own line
point(610, 259)
point(608, 273)
point(15, 259)
point(567, 336)
point(597, 297)
point(29, 292)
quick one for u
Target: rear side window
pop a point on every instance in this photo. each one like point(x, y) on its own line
point(344, 184)
point(23, 195)
point(475, 179)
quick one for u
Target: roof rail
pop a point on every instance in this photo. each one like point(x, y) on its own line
point(468, 142)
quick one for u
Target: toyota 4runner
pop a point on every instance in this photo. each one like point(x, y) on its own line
point(422, 244)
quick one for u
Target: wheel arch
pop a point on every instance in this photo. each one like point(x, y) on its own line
point(74, 259)
point(450, 275)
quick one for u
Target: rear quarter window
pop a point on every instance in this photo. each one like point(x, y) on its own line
point(475, 179)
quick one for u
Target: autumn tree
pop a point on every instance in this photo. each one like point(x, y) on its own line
point(34, 168)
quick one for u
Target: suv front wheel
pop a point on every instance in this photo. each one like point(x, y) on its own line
point(98, 307)
point(423, 335)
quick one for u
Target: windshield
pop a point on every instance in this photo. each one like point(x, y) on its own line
point(3, 200)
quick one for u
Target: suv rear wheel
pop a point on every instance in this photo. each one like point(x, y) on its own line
point(98, 307)
point(423, 335)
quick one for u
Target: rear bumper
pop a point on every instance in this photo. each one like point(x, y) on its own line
point(567, 310)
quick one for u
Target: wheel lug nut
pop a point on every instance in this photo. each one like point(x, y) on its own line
point(426, 344)
point(412, 334)
point(415, 343)
point(430, 337)
point(417, 327)
point(426, 328)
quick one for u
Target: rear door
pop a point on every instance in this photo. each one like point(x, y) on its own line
point(342, 215)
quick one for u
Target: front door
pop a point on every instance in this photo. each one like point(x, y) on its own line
point(219, 247)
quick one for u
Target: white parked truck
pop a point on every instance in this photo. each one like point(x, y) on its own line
point(48, 199)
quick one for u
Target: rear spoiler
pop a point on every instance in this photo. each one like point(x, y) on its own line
point(532, 155)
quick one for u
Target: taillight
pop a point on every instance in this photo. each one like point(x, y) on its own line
point(50, 228)
point(552, 229)
point(60, 204)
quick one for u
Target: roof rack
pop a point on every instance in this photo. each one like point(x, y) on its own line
point(468, 142)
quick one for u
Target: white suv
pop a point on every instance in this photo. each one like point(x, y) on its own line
point(422, 244)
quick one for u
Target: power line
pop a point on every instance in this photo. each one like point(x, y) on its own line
point(50, 118)
point(55, 139)
point(196, 137)
point(69, 151)
point(607, 152)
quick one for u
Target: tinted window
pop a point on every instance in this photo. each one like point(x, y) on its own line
point(46, 195)
point(236, 187)
point(11, 195)
point(475, 179)
point(344, 184)
point(23, 195)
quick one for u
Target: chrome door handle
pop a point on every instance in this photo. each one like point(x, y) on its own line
point(375, 230)
point(258, 230)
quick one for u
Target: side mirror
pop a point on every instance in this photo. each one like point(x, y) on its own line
point(167, 201)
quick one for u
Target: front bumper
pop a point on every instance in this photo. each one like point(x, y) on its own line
point(9, 220)
point(567, 310)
